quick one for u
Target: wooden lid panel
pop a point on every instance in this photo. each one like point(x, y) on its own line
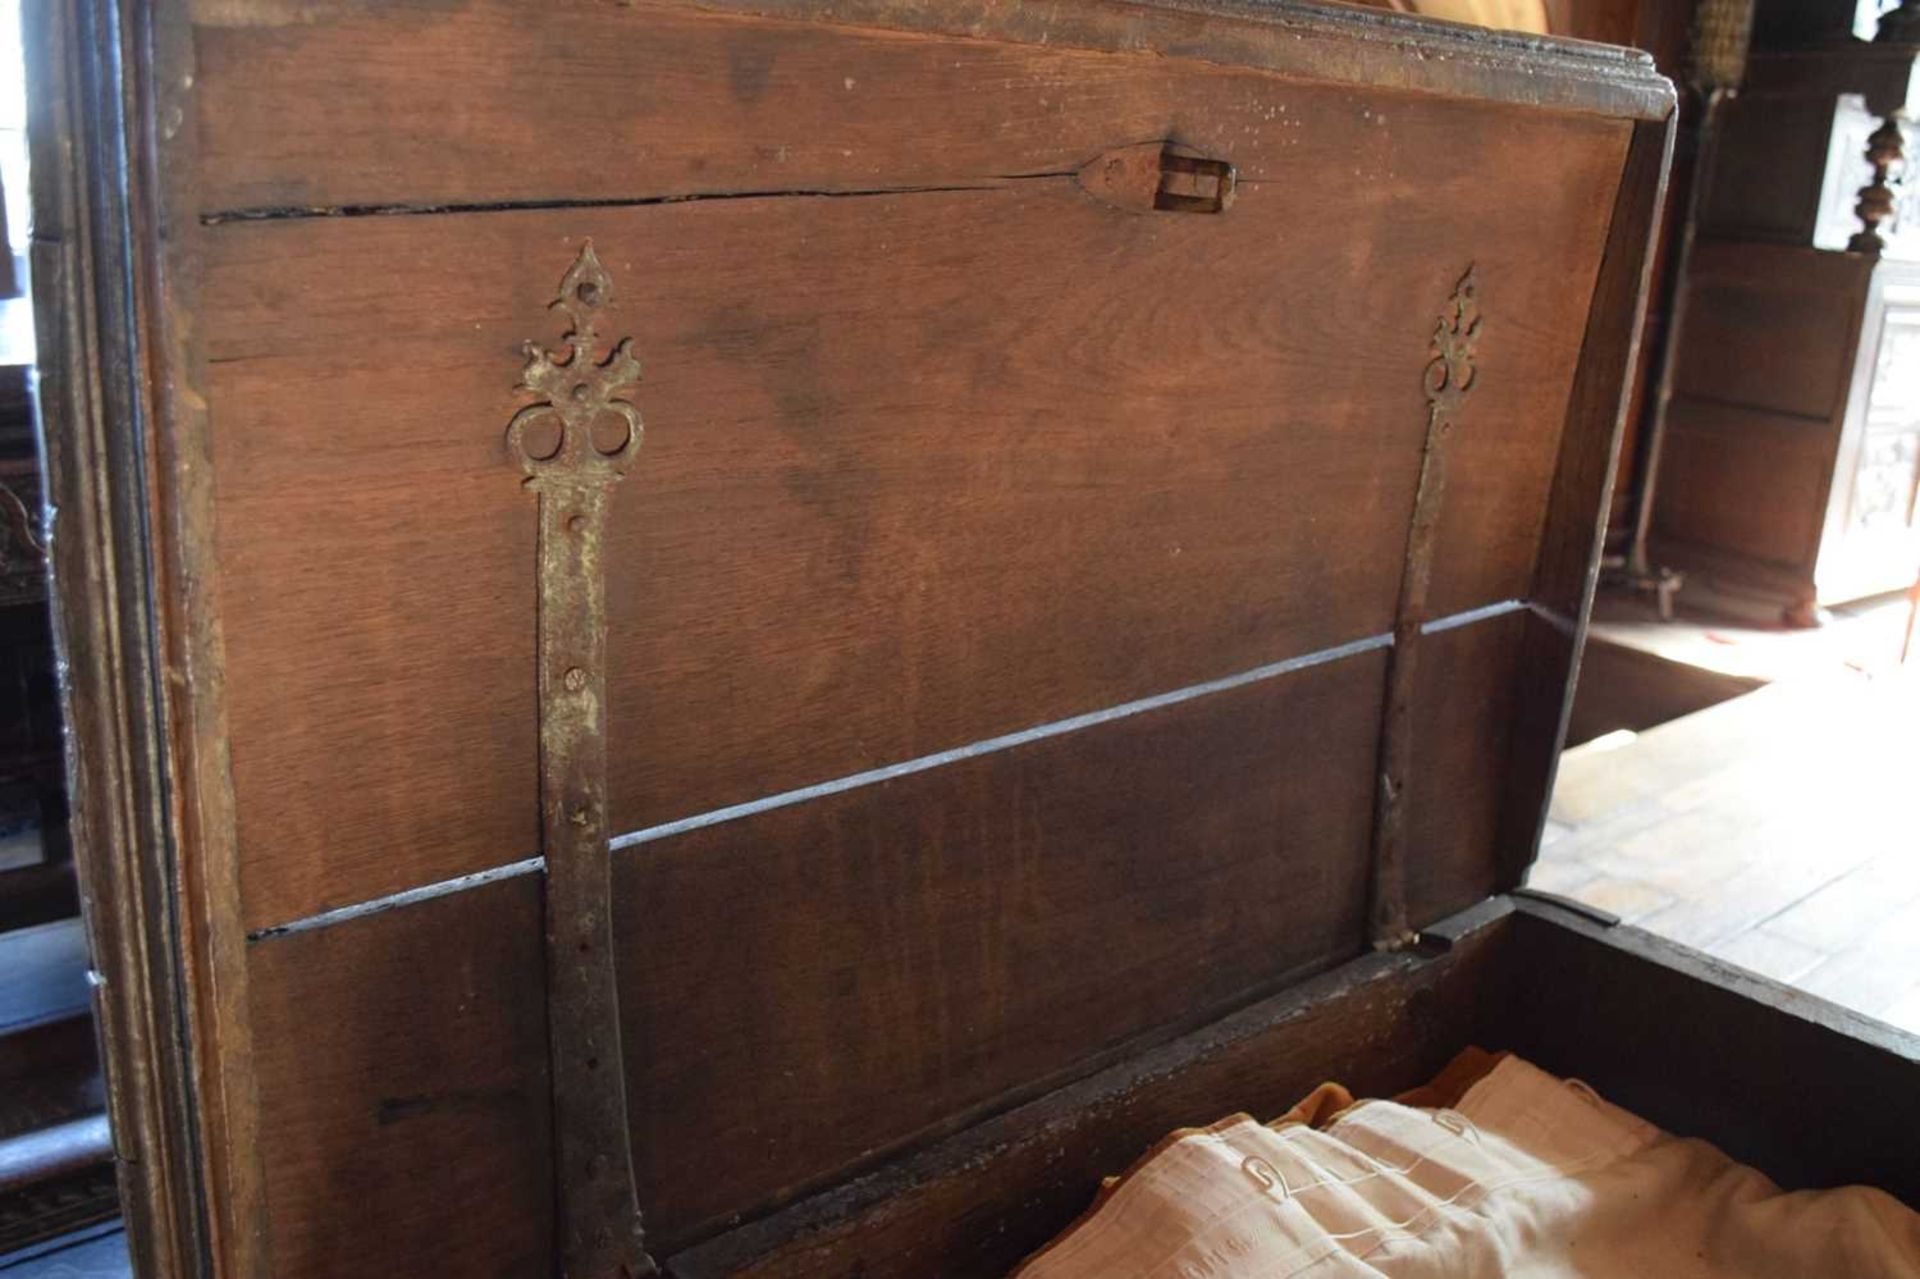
point(836, 979)
point(580, 100)
point(920, 470)
point(1014, 604)
point(833, 980)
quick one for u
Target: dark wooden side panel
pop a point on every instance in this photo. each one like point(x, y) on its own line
point(1767, 328)
point(1807, 1092)
point(1747, 481)
point(1568, 564)
point(1772, 332)
point(822, 982)
point(402, 1073)
point(1569, 552)
point(1764, 138)
point(977, 1203)
point(920, 469)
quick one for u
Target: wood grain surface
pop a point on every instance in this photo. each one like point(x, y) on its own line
point(1749, 480)
point(646, 100)
point(940, 447)
point(402, 1067)
point(1568, 565)
point(1464, 705)
point(820, 983)
point(810, 987)
point(1764, 329)
point(920, 469)
point(975, 1204)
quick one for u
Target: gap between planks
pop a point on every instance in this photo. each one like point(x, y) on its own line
point(301, 212)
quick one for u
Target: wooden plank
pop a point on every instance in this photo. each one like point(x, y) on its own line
point(1803, 1090)
point(1771, 327)
point(50, 1073)
point(812, 987)
point(1465, 698)
point(297, 99)
point(402, 1062)
point(978, 1202)
point(823, 982)
point(1568, 565)
point(1037, 457)
point(1747, 481)
point(1568, 560)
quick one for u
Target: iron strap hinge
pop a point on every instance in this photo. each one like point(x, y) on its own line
point(574, 445)
point(1449, 376)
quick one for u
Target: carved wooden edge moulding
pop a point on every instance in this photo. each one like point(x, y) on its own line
point(574, 444)
point(1449, 376)
point(1879, 200)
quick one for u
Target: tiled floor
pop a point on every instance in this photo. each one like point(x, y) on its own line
point(1779, 831)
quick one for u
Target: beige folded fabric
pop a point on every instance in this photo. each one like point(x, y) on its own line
point(1529, 1176)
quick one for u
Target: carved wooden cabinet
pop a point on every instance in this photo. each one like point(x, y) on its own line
point(1024, 590)
point(1790, 470)
point(1871, 542)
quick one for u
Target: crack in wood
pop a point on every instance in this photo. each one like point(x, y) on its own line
point(287, 213)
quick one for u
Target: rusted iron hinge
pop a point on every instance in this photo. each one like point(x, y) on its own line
point(1449, 376)
point(574, 444)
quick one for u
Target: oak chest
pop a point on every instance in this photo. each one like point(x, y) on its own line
point(816, 618)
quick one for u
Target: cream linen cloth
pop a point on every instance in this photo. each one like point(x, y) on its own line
point(1530, 1176)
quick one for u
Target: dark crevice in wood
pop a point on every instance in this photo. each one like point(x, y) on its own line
point(297, 212)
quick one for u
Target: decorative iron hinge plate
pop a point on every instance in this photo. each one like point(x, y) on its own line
point(574, 444)
point(1449, 376)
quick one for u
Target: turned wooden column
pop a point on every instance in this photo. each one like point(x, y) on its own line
point(1886, 152)
point(1886, 147)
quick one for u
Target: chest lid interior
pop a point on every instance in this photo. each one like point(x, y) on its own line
point(1118, 502)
